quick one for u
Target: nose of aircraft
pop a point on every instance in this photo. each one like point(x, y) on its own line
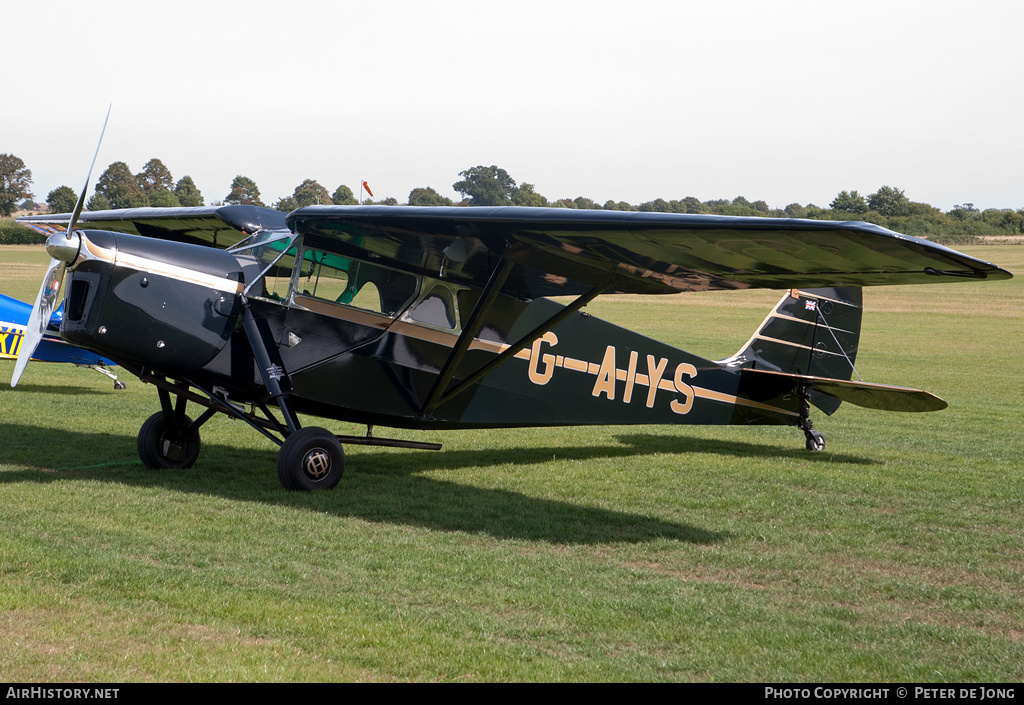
point(64, 247)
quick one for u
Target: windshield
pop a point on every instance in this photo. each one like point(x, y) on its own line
point(274, 251)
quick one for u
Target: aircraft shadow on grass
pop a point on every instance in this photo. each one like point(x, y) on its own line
point(397, 488)
point(60, 389)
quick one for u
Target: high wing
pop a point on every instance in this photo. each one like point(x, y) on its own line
point(216, 226)
point(564, 251)
point(568, 252)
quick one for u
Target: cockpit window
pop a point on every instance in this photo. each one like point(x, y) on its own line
point(436, 309)
point(362, 285)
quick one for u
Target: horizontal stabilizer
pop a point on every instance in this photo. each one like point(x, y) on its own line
point(866, 394)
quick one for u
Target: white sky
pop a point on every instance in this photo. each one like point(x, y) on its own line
point(785, 101)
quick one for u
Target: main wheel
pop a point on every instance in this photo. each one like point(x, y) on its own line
point(815, 440)
point(160, 448)
point(310, 459)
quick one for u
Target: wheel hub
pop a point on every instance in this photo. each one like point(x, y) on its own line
point(316, 464)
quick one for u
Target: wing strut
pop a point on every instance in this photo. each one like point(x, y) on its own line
point(440, 394)
point(469, 333)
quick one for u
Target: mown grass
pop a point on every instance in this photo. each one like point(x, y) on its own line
point(572, 554)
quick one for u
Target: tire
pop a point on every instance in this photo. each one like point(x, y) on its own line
point(159, 449)
point(815, 440)
point(310, 459)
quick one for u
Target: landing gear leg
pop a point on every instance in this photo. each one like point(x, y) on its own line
point(815, 439)
point(118, 384)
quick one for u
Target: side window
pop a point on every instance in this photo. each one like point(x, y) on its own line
point(362, 285)
point(436, 308)
point(367, 298)
point(323, 277)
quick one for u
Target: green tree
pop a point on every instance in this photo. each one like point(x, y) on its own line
point(795, 210)
point(611, 205)
point(164, 199)
point(851, 202)
point(692, 204)
point(15, 180)
point(286, 204)
point(427, 196)
point(243, 192)
point(486, 186)
point(658, 205)
point(343, 196)
point(1015, 221)
point(922, 209)
point(526, 195)
point(98, 202)
point(386, 201)
point(311, 193)
point(584, 203)
point(120, 187)
point(188, 193)
point(62, 200)
point(964, 211)
point(155, 177)
point(889, 201)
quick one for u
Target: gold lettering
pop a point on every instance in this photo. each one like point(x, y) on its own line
point(684, 368)
point(536, 376)
point(3, 344)
point(606, 375)
point(630, 376)
point(654, 375)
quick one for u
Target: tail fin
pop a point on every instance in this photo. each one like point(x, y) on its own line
point(813, 332)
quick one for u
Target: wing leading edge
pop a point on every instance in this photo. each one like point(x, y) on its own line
point(214, 226)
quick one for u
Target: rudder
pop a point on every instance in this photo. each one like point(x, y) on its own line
point(812, 332)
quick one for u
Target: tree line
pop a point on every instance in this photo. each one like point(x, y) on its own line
point(117, 187)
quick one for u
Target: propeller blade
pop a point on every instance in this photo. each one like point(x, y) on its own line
point(43, 308)
point(46, 300)
point(81, 199)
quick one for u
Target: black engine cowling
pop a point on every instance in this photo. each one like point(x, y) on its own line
point(167, 306)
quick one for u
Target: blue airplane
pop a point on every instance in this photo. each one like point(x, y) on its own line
point(14, 315)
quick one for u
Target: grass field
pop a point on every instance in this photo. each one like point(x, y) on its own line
point(594, 554)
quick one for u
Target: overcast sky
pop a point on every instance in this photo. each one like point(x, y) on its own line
point(786, 101)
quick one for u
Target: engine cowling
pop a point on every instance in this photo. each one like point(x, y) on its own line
point(167, 306)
